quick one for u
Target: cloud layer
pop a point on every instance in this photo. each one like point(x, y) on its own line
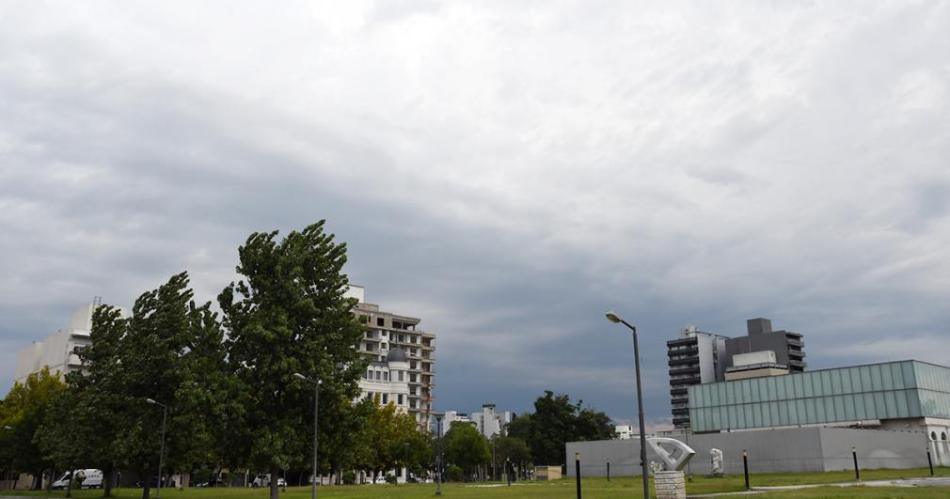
point(507, 171)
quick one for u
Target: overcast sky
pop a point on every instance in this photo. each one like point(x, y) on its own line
point(507, 171)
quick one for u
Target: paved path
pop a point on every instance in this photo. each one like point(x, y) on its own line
point(914, 482)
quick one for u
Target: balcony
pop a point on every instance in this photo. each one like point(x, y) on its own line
point(682, 390)
point(679, 362)
point(683, 351)
point(684, 370)
point(681, 411)
point(692, 380)
point(795, 342)
point(796, 354)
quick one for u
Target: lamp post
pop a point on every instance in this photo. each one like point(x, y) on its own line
point(161, 452)
point(438, 458)
point(316, 408)
point(616, 319)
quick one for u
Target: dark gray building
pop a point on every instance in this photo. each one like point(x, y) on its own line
point(789, 346)
point(698, 357)
point(695, 357)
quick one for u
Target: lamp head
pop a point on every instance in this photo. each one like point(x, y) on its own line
point(612, 317)
point(301, 376)
point(151, 401)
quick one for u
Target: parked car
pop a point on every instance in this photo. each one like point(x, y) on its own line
point(86, 478)
point(263, 480)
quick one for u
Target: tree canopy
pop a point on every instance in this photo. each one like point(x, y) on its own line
point(555, 422)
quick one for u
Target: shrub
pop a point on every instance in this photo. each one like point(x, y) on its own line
point(454, 473)
point(349, 477)
point(390, 478)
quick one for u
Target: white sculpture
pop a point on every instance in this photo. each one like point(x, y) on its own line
point(716, 456)
point(674, 458)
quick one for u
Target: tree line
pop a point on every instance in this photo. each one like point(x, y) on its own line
point(227, 379)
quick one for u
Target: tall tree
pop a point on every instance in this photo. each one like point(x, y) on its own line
point(466, 448)
point(24, 410)
point(555, 422)
point(289, 314)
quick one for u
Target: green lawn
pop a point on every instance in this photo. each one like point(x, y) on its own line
point(593, 488)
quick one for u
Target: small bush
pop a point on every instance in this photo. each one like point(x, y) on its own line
point(349, 477)
point(390, 478)
point(454, 473)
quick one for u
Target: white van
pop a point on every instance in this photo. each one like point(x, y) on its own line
point(89, 479)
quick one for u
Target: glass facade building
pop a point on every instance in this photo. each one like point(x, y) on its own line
point(891, 390)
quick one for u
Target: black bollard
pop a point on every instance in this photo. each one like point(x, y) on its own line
point(745, 467)
point(930, 462)
point(608, 471)
point(577, 470)
point(857, 471)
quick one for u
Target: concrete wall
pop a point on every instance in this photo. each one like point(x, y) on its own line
point(783, 450)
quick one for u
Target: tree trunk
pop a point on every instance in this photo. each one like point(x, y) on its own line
point(108, 478)
point(147, 485)
point(274, 490)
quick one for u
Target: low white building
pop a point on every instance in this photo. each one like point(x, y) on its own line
point(58, 351)
point(625, 431)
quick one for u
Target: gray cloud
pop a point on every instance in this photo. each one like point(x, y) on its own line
point(507, 172)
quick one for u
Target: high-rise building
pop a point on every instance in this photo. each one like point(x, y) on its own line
point(695, 357)
point(387, 332)
point(490, 422)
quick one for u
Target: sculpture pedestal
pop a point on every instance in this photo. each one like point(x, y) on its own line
point(670, 484)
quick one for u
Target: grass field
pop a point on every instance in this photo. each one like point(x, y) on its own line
point(593, 488)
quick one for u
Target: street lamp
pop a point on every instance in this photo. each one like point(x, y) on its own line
point(161, 453)
point(616, 319)
point(438, 458)
point(316, 407)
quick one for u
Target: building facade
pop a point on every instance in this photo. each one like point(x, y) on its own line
point(387, 331)
point(695, 357)
point(490, 422)
point(58, 351)
point(906, 395)
point(789, 346)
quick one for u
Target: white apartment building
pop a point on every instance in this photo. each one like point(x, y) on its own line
point(57, 351)
point(396, 347)
point(489, 422)
point(453, 416)
point(388, 382)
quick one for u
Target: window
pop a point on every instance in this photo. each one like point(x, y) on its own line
point(399, 398)
point(380, 322)
point(385, 398)
point(385, 376)
point(400, 375)
point(943, 435)
point(364, 319)
point(377, 376)
point(933, 435)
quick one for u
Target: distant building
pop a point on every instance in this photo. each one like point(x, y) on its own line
point(455, 417)
point(698, 357)
point(892, 395)
point(58, 351)
point(489, 423)
point(693, 358)
point(625, 432)
point(789, 346)
point(387, 332)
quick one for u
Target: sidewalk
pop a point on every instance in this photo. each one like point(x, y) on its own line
point(914, 482)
